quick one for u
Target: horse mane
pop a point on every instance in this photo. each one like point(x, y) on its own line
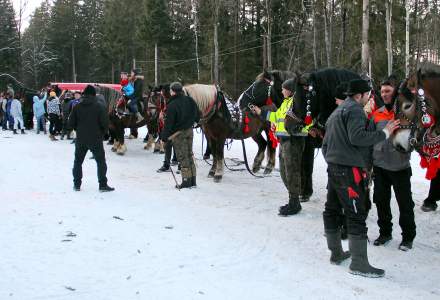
point(429, 70)
point(110, 95)
point(277, 74)
point(203, 94)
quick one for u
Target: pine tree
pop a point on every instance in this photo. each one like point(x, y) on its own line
point(9, 48)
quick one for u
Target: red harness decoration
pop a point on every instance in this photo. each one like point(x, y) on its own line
point(272, 138)
point(246, 123)
point(431, 162)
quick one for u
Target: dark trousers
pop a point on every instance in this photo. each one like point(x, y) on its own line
point(401, 183)
point(346, 194)
point(307, 168)
point(54, 124)
point(434, 189)
point(66, 128)
point(98, 152)
point(168, 153)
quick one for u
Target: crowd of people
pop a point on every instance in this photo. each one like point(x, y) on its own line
point(356, 147)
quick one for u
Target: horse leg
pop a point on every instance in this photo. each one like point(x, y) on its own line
point(261, 142)
point(214, 158)
point(270, 159)
point(220, 161)
point(149, 143)
point(121, 148)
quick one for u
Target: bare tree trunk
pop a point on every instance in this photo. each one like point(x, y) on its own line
point(216, 60)
point(264, 52)
point(156, 65)
point(236, 24)
point(328, 47)
point(389, 16)
point(196, 37)
point(365, 28)
point(269, 35)
point(407, 8)
point(343, 40)
point(315, 33)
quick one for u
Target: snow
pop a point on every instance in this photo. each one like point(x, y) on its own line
point(148, 240)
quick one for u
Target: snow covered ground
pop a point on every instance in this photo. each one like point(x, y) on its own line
point(148, 240)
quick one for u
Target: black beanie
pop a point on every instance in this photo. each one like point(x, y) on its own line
point(289, 85)
point(89, 91)
point(357, 86)
point(176, 87)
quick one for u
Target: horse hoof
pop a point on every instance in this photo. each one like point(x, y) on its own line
point(218, 178)
point(211, 175)
point(255, 169)
point(267, 171)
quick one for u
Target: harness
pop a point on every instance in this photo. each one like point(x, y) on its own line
point(428, 146)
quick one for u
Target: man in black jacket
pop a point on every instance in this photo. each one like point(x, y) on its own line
point(90, 120)
point(182, 113)
point(345, 148)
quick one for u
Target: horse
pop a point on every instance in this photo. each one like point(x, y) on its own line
point(221, 119)
point(417, 107)
point(314, 101)
point(119, 119)
point(155, 104)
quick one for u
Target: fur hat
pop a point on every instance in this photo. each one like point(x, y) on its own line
point(89, 91)
point(176, 87)
point(357, 86)
point(289, 85)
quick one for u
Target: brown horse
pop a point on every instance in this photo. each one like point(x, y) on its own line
point(418, 109)
point(220, 123)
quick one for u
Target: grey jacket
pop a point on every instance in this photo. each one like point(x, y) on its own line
point(347, 141)
point(385, 156)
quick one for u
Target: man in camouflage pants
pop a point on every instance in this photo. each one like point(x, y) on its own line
point(182, 113)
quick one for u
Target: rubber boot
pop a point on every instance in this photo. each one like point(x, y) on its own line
point(106, 188)
point(292, 208)
point(22, 131)
point(359, 258)
point(14, 131)
point(335, 246)
point(186, 183)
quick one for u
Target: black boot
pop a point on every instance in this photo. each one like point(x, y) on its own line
point(405, 245)
point(106, 188)
point(22, 131)
point(165, 168)
point(14, 131)
point(186, 183)
point(382, 240)
point(359, 258)
point(193, 181)
point(292, 208)
point(335, 246)
point(429, 205)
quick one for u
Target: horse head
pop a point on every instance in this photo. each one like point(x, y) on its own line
point(266, 89)
point(417, 107)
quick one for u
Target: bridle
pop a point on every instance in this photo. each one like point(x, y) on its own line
point(249, 92)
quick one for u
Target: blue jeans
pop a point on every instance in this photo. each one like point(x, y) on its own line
point(41, 123)
point(133, 105)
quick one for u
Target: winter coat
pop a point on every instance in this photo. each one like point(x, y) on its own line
point(8, 106)
point(73, 103)
point(277, 117)
point(66, 107)
point(53, 106)
point(138, 86)
point(39, 106)
point(128, 89)
point(89, 118)
point(385, 155)
point(3, 104)
point(182, 113)
point(16, 109)
point(347, 141)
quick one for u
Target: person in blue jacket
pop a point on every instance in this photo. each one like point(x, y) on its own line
point(40, 112)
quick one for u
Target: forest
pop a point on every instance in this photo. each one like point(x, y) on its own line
point(227, 42)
